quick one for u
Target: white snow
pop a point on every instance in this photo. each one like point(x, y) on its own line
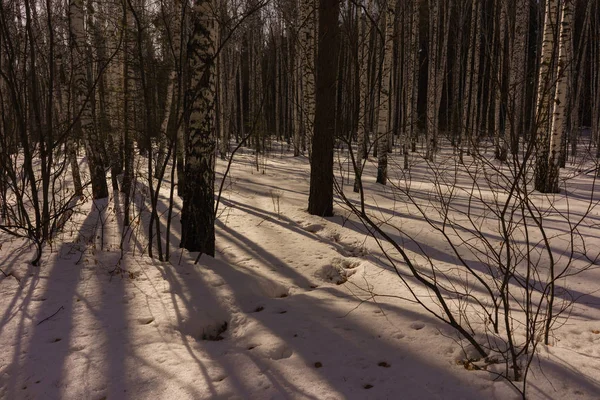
point(293, 306)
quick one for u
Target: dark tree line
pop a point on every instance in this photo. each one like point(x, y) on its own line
point(171, 84)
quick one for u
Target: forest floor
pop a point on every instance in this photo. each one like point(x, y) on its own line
point(293, 306)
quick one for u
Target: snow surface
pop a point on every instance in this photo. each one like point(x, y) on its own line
point(285, 310)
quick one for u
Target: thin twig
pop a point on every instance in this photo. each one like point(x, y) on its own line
point(46, 319)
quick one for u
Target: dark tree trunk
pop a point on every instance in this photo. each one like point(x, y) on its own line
point(320, 201)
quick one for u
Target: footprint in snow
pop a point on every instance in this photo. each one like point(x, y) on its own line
point(417, 326)
point(313, 228)
point(280, 352)
point(339, 270)
point(398, 335)
point(219, 378)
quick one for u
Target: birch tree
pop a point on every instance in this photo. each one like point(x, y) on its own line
point(516, 80)
point(544, 93)
point(439, 27)
point(472, 79)
point(197, 216)
point(83, 86)
point(383, 117)
point(559, 122)
point(363, 93)
point(413, 75)
point(500, 131)
point(308, 42)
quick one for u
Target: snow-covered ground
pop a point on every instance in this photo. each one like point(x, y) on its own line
point(293, 306)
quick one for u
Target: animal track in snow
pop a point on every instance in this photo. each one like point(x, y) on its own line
point(279, 352)
point(398, 335)
point(219, 378)
point(346, 263)
point(313, 228)
point(339, 270)
point(417, 326)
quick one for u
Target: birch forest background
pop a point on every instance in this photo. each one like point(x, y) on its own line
point(476, 122)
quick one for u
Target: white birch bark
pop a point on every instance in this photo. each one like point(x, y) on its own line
point(308, 37)
point(473, 76)
point(544, 94)
point(197, 216)
point(413, 75)
point(295, 90)
point(560, 98)
point(383, 117)
point(363, 81)
point(432, 78)
point(499, 132)
point(437, 55)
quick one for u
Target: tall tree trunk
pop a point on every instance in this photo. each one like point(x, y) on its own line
point(500, 142)
point(413, 76)
point(197, 215)
point(560, 98)
point(383, 118)
point(472, 78)
point(83, 87)
point(363, 93)
point(126, 187)
point(577, 77)
point(517, 74)
point(437, 52)
point(308, 39)
point(544, 93)
point(320, 200)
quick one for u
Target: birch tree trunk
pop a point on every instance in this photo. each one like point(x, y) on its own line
point(437, 52)
point(413, 76)
point(83, 87)
point(457, 84)
point(560, 98)
point(363, 81)
point(127, 139)
point(578, 79)
point(432, 50)
point(595, 75)
point(197, 215)
point(545, 85)
point(516, 71)
point(308, 39)
point(383, 118)
point(221, 106)
point(295, 111)
point(499, 130)
point(472, 77)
